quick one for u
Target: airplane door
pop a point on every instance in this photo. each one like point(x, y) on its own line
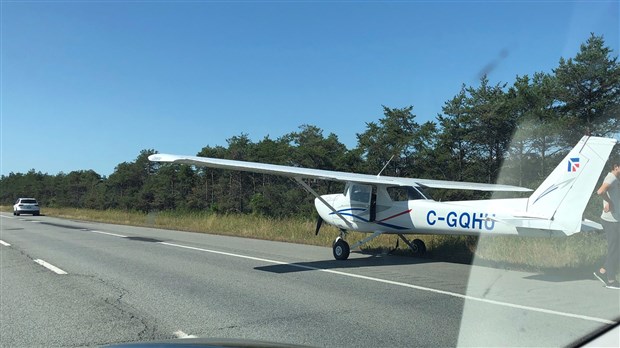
point(362, 199)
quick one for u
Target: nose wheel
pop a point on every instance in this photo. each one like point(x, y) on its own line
point(341, 249)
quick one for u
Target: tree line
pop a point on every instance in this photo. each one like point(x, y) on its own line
point(521, 130)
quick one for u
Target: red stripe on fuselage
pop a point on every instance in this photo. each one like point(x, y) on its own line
point(393, 216)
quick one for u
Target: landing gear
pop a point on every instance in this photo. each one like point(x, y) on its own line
point(341, 249)
point(417, 245)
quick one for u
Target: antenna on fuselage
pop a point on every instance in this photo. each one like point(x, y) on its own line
point(385, 166)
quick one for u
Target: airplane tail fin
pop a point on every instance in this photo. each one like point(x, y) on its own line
point(562, 197)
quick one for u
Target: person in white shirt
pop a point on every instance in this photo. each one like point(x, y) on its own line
point(610, 219)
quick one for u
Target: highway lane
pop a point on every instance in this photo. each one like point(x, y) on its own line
point(139, 284)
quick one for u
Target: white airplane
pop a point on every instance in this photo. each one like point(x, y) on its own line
point(391, 205)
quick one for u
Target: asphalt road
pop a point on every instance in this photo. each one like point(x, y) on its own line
point(126, 284)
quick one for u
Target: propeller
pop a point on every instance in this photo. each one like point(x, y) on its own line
point(319, 223)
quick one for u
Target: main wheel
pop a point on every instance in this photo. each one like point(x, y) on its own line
point(341, 249)
point(419, 247)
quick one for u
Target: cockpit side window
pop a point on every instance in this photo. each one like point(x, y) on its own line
point(404, 193)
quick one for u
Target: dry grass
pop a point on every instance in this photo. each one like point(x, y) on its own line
point(578, 251)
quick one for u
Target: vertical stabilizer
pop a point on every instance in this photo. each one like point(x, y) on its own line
point(563, 196)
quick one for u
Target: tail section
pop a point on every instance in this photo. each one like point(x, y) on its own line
point(563, 196)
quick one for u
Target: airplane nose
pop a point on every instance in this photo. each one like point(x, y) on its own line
point(323, 210)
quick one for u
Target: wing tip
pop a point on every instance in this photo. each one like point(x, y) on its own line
point(162, 157)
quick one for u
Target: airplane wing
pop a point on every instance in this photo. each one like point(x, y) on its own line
point(307, 173)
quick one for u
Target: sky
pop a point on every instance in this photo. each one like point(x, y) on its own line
point(89, 84)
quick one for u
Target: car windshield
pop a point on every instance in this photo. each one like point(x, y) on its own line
point(187, 160)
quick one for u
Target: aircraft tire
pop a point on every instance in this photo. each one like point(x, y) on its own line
point(420, 247)
point(341, 249)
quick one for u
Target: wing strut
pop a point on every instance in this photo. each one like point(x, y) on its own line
point(307, 187)
point(367, 239)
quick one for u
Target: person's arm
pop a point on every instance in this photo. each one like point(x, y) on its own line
point(602, 191)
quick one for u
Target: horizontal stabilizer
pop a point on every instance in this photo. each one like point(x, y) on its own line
point(590, 226)
point(537, 227)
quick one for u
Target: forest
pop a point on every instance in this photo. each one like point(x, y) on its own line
point(492, 132)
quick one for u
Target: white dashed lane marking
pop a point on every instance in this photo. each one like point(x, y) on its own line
point(50, 266)
point(181, 334)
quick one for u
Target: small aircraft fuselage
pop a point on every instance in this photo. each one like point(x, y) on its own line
point(408, 209)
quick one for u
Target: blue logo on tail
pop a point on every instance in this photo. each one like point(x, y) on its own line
point(573, 164)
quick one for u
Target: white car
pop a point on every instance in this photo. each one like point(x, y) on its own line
point(26, 206)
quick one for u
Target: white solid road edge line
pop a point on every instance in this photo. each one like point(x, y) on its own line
point(181, 334)
point(4, 243)
point(406, 285)
point(108, 233)
point(50, 266)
